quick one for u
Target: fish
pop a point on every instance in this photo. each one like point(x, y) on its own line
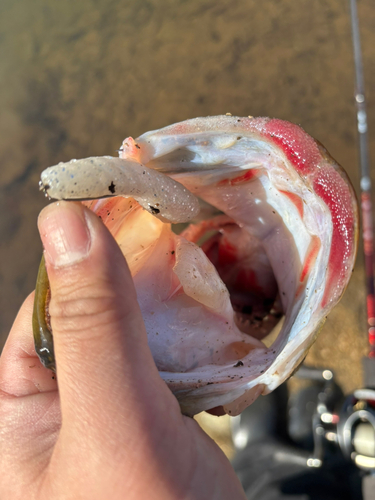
point(233, 301)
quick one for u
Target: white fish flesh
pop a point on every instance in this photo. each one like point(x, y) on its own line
point(280, 240)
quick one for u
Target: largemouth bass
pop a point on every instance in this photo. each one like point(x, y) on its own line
point(273, 246)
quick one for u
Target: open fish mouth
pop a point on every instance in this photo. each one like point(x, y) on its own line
point(273, 247)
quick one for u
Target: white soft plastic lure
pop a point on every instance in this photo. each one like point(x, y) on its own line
point(282, 243)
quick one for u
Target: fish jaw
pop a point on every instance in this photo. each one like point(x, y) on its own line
point(276, 184)
point(302, 184)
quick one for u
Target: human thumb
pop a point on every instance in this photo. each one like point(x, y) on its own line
point(102, 356)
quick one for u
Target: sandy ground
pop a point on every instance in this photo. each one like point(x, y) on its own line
point(78, 77)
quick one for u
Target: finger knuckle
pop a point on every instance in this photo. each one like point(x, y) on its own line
point(84, 308)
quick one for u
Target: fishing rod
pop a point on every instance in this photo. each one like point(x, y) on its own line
point(365, 181)
point(353, 427)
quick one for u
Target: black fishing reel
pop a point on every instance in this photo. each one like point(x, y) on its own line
point(347, 423)
point(314, 440)
point(356, 428)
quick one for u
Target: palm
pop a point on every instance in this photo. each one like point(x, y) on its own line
point(163, 443)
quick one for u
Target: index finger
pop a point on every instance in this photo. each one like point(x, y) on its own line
point(21, 372)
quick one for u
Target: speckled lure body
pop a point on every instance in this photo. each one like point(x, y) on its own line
point(284, 244)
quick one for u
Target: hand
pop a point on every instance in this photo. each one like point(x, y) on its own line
point(108, 427)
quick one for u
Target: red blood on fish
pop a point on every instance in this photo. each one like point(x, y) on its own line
point(306, 156)
point(296, 200)
point(333, 190)
point(246, 177)
point(227, 254)
point(312, 253)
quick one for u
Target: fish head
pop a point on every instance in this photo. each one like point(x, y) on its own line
point(232, 303)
